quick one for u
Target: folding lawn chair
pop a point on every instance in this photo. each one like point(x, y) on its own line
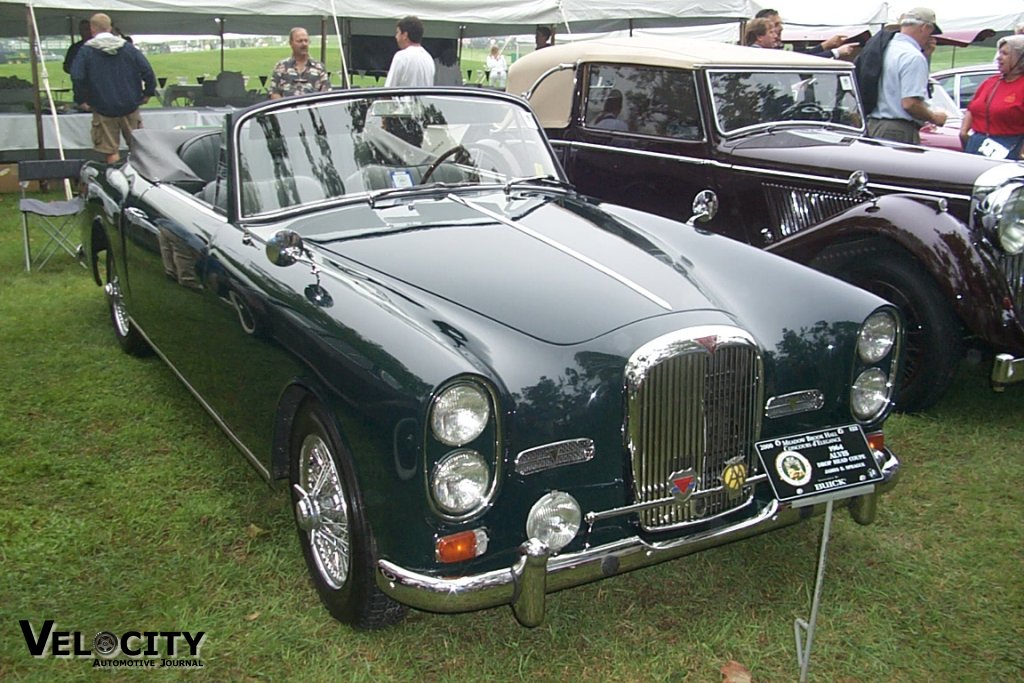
point(55, 219)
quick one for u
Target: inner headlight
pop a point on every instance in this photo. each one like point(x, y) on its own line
point(460, 414)
point(877, 336)
point(554, 519)
point(460, 482)
point(1004, 211)
point(870, 394)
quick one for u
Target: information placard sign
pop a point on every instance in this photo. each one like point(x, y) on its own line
point(827, 463)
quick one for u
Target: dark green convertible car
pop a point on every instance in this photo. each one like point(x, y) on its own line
point(480, 386)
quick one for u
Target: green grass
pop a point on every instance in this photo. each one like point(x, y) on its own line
point(125, 508)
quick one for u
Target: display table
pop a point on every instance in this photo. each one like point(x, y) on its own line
point(18, 131)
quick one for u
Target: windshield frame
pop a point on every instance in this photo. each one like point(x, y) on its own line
point(802, 72)
point(242, 122)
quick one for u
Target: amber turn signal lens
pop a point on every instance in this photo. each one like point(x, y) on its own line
point(464, 545)
point(876, 440)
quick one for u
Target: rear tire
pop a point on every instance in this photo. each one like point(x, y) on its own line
point(333, 530)
point(933, 343)
point(128, 336)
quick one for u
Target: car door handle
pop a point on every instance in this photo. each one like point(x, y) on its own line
point(137, 214)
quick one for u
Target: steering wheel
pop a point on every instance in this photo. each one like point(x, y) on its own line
point(441, 159)
point(808, 111)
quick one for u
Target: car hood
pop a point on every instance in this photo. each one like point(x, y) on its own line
point(556, 268)
point(819, 152)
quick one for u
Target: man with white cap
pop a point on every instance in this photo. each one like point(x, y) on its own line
point(903, 88)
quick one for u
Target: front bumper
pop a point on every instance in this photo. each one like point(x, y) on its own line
point(525, 584)
point(1006, 370)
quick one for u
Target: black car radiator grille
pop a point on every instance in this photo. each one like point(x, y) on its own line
point(793, 209)
point(1013, 271)
point(694, 402)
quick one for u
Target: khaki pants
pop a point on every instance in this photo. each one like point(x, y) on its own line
point(107, 131)
point(897, 130)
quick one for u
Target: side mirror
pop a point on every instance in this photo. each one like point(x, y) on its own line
point(285, 248)
point(705, 207)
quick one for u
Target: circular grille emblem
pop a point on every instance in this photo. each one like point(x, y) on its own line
point(105, 643)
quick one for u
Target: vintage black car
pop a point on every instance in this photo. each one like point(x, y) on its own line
point(479, 386)
point(648, 123)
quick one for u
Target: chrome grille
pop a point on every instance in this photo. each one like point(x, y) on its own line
point(793, 209)
point(1013, 271)
point(694, 401)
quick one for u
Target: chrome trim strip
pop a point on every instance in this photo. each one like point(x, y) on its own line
point(569, 251)
point(789, 175)
point(793, 403)
point(253, 460)
point(594, 517)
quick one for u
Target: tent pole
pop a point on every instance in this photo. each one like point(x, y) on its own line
point(345, 83)
point(323, 40)
point(33, 39)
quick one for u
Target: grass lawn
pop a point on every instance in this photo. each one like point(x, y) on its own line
point(125, 508)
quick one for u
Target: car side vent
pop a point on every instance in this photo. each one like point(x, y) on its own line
point(793, 209)
point(553, 455)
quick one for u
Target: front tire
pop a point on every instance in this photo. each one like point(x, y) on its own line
point(933, 344)
point(333, 530)
point(128, 336)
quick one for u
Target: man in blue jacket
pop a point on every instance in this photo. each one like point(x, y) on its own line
point(112, 79)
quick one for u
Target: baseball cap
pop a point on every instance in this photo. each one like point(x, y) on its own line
point(922, 15)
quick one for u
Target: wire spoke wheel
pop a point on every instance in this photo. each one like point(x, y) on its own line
point(322, 511)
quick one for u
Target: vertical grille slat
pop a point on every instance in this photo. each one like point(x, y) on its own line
point(1013, 271)
point(693, 404)
point(793, 209)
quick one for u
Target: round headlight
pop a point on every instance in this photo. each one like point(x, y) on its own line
point(869, 394)
point(877, 336)
point(554, 520)
point(460, 482)
point(1005, 211)
point(460, 414)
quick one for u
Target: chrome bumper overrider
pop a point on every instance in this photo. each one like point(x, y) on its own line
point(537, 573)
point(1006, 370)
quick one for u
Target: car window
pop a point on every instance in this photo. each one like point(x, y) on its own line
point(969, 85)
point(747, 98)
point(317, 151)
point(644, 101)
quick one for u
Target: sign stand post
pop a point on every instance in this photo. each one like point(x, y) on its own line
point(810, 469)
point(806, 628)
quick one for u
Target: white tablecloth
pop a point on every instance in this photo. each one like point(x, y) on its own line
point(18, 131)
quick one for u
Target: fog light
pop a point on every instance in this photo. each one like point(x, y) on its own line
point(554, 520)
point(464, 545)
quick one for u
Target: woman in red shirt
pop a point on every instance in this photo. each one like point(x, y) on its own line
point(996, 112)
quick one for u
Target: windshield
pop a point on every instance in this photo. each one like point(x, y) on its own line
point(938, 98)
point(324, 150)
point(742, 99)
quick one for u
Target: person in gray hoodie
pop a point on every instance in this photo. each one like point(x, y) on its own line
point(112, 79)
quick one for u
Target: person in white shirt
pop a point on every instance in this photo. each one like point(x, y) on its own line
point(412, 65)
point(497, 68)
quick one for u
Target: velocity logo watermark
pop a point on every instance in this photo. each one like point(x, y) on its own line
point(140, 649)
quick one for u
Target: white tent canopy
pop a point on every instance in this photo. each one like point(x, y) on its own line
point(952, 15)
point(443, 18)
